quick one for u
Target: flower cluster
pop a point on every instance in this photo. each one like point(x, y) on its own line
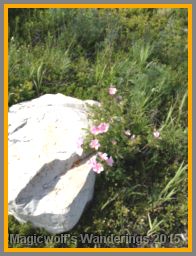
point(97, 162)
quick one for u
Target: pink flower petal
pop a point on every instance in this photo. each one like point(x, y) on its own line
point(98, 168)
point(156, 134)
point(110, 161)
point(92, 162)
point(103, 127)
point(94, 144)
point(94, 130)
point(112, 90)
point(103, 156)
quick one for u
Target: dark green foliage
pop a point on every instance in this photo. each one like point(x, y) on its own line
point(143, 52)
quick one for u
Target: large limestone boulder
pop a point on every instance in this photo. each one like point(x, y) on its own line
point(48, 183)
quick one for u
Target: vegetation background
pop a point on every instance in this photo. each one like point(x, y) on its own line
point(143, 52)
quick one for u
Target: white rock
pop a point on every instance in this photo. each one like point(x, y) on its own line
point(43, 186)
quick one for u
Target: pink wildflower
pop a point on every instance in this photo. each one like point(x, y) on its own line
point(110, 161)
point(97, 167)
point(95, 130)
point(103, 156)
point(94, 144)
point(103, 127)
point(112, 90)
point(156, 134)
point(92, 161)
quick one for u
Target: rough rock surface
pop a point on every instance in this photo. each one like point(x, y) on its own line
point(45, 185)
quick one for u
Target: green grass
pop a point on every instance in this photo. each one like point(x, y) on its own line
point(143, 52)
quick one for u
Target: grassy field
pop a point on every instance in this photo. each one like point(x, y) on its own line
point(143, 53)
